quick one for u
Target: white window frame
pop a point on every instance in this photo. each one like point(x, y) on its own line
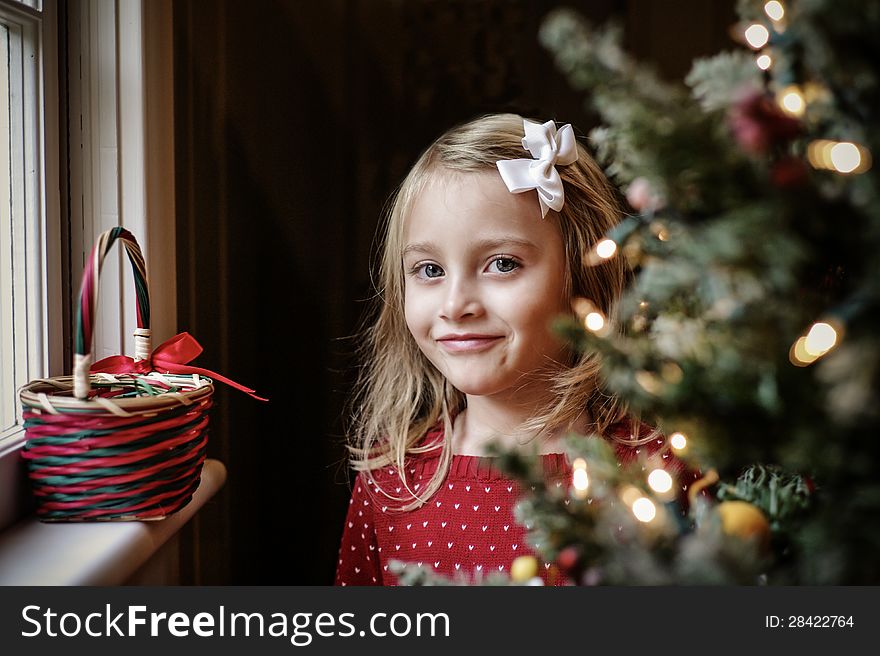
point(35, 213)
point(121, 161)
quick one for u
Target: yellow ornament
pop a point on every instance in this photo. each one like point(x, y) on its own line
point(745, 521)
point(523, 569)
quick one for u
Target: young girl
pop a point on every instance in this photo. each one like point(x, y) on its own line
point(487, 241)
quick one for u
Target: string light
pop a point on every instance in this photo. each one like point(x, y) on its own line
point(757, 35)
point(660, 480)
point(580, 480)
point(764, 62)
point(840, 156)
point(606, 248)
point(820, 339)
point(644, 509)
point(660, 231)
point(589, 315)
point(845, 157)
point(594, 321)
point(678, 441)
point(774, 10)
point(791, 99)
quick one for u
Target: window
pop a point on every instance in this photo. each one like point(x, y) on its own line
point(29, 227)
point(7, 269)
point(92, 135)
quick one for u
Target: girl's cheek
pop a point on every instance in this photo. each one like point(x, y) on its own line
point(414, 312)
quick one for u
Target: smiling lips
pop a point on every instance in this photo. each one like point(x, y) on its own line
point(468, 342)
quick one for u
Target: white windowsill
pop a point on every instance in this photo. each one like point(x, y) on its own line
point(102, 553)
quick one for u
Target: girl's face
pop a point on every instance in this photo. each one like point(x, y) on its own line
point(485, 277)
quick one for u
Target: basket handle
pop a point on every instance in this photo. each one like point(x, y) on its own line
point(88, 299)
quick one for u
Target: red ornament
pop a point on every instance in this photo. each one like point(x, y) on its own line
point(569, 562)
point(758, 124)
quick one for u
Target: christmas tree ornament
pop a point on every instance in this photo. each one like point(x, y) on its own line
point(570, 563)
point(745, 521)
point(523, 569)
point(759, 124)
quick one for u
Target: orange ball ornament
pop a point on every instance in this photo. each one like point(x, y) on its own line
point(523, 569)
point(745, 521)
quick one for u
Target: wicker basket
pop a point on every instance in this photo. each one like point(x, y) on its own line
point(127, 445)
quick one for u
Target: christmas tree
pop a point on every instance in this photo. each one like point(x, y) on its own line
point(751, 333)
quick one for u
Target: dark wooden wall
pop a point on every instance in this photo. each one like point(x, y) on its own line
point(294, 122)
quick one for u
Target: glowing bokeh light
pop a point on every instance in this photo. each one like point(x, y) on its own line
point(660, 480)
point(820, 339)
point(594, 321)
point(757, 35)
point(606, 248)
point(644, 509)
point(792, 101)
point(845, 157)
point(678, 441)
point(774, 10)
point(580, 480)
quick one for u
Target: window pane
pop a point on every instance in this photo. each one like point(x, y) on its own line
point(7, 332)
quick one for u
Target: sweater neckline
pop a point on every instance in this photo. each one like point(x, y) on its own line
point(484, 468)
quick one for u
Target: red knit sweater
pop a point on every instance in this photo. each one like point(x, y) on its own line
point(467, 528)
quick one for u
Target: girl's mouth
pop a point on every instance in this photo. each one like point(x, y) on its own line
point(467, 343)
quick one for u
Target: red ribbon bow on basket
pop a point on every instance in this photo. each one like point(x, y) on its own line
point(171, 356)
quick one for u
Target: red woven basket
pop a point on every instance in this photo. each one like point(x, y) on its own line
point(124, 439)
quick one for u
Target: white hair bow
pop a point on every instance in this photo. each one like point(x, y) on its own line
point(549, 148)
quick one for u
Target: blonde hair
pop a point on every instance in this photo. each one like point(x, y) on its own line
point(400, 395)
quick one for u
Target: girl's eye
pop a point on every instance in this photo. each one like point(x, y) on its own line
point(504, 264)
point(429, 270)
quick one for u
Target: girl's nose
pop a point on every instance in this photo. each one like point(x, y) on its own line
point(462, 300)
